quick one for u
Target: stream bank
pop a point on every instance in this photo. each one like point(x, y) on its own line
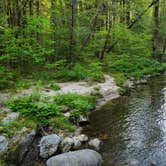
point(133, 126)
point(26, 140)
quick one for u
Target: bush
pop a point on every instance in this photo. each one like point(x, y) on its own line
point(76, 102)
point(136, 67)
point(48, 112)
point(35, 109)
point(53, 86)
point(90, 71)
point(7, 78)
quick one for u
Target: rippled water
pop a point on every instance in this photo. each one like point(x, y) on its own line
point(133, 128)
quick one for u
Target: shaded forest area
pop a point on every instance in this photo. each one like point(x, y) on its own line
point(80, 40)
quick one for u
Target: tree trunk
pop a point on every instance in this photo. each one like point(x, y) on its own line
point(31, 7)
point(156, 29)
point(72, 27)
point(38, 13)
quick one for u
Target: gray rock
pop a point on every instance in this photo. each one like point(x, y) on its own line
point(13, 116)
point(67, 115)
point(82, 120)
point(67, 144)
point(82, 138)
point(25, 143)
point(49, 145)
point(78, 140)
point(78, 131)
point(65, 109)
point(95, 143)
point(84, 157)
point(3, 144)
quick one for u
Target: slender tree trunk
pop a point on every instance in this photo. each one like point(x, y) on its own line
point(31, 7)
point(1, 27)
point(128, 13)
point(72, 27)
point(38, 13)
point(164, 47)
point(18, 11)
point(53, 24)
point(156, 29)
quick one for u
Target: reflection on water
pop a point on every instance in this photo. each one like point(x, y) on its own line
point(133, 128)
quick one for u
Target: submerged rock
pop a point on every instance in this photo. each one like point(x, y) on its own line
point(95, 143)
point(85, 157)
point(49, 145)
point(3, 144)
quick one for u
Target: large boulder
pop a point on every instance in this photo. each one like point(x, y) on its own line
point(3, 144)
point(84, 157)
point(49, 145)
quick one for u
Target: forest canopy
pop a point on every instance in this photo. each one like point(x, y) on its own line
point(80, 39)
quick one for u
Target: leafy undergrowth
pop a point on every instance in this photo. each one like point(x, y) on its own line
point(61, 72)
point(79, 71)
point(6, 78)
point(123, 67)
point(79, 104)
point(48, 111)
point(16, 126)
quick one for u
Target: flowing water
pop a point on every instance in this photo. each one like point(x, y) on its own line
point(133, 128)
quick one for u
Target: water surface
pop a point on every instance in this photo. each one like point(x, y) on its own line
point(133, 128)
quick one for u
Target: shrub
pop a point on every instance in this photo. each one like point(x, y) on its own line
point(137, 67)
point(76, 102)
point(35, 109)
point(48, 112)
point(89, 71)
point(7, 78)
point(62, 123)
point(53, 86)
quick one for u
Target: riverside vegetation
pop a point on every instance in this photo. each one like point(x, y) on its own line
point(43, 43)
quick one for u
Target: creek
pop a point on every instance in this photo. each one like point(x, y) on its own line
point(133, 127)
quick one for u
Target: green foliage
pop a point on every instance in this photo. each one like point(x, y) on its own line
point(120, 78)
point(53, 86)
point(2, 163)
point(76, 102)
point(124, 66)
point(78, 72)
point(62, 123)
point(95, 71)
point(35, 109)
point(6, 78)
point(92, 71)
point(43, 110)
point(15, 126)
